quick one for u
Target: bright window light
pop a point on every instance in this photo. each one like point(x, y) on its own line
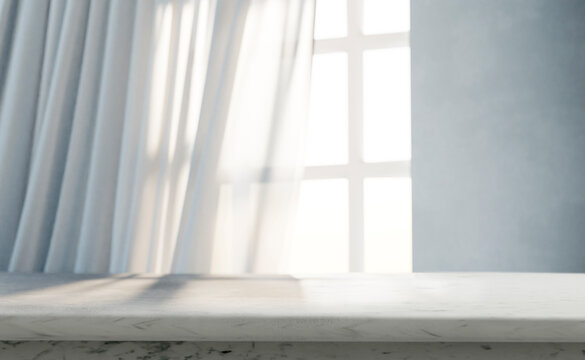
point(320, 244)
point(387, 230)
point(387, 104)
point(330, 19)
point(328, 115)
point(386, 16)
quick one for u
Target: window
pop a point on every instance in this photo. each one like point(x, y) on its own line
point(354, 212)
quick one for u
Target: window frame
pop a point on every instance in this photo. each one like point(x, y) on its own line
point(356, 170)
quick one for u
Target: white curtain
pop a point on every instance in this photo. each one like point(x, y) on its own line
point(151, 135)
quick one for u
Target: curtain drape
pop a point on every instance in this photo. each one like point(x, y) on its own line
point(151, 135)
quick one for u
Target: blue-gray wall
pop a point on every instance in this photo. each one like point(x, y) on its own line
point(498, 116)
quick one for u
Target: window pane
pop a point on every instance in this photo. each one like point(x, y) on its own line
point(321, 240)
point(222, 255)
point(330, 19)
point(386, 16)
point(327, 127)
point(388, 225)
point(387, 105)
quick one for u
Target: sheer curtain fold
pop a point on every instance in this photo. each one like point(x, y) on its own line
point(51, 136)
point(64, 240)
point(7, 19)
point(123, 122)
point(20, 92)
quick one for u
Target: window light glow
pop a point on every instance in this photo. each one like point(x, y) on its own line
point(387, 105)
point(330, 19)
point(327, 125)
point(386, 16)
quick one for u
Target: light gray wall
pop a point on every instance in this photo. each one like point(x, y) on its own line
point(498, 116)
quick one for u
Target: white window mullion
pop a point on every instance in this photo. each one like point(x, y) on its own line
point(330, 46)
point(356, 224)
point(384, 41)
point(363, 42)
point(356, 201)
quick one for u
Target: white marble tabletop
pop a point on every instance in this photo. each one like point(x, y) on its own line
point(445, 307)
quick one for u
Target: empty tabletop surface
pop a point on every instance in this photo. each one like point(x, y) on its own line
point(444, 307)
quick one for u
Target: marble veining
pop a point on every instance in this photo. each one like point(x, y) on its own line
point(354, 308)
point(178, 350)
